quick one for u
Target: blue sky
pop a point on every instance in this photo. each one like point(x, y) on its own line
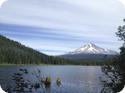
point(60, 26)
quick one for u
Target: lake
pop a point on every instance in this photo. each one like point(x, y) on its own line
point(74, 79)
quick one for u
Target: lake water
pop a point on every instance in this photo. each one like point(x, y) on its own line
point(74, 79)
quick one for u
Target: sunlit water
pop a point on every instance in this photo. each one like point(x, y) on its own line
point(75, 79)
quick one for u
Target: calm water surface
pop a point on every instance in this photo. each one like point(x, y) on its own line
point(75, 79)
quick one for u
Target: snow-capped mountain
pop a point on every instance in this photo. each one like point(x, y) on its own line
point(90, 52)
point(92, 49)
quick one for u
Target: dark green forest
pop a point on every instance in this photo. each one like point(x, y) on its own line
point(12, 52)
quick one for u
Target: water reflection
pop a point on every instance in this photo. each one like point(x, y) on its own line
point(53, 79)
point(23, 85)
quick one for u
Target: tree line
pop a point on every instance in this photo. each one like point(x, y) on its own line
point(12, 52)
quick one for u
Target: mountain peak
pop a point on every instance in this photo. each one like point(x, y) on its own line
point(89, 45)
point(92, 49)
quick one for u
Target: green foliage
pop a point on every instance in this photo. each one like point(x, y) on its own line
point(118, 67)
point(121, 35)
point(12, 52)
point(122, 57)
point(121, 32)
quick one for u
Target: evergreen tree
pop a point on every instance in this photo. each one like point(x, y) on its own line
point(118, 68)
point(12, 52)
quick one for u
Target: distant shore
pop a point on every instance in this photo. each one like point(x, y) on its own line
point(5, 65)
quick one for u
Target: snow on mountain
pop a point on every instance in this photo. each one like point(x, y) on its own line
point(93, 49)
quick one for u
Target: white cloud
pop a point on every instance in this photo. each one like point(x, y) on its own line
point(83, 20)
point(122, 1)
point(2, 2)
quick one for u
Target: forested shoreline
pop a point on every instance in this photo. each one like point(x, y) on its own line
point(12, 52)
